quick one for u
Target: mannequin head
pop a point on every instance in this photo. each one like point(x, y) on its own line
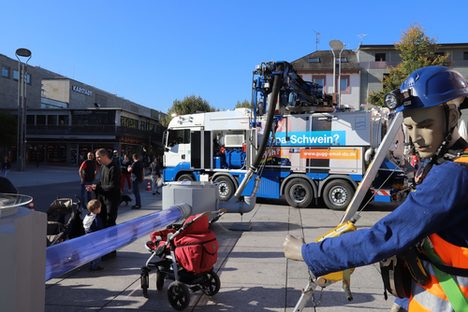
point(427, 127)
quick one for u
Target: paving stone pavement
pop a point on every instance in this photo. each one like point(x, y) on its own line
point(254, 274)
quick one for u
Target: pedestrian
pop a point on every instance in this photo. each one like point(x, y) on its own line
point(91, 223)
point(107, 190)
point(87, 172)
point(155, 175)
point(125, 175)
point(136, 169)
point(6, 165)
point(433, 217)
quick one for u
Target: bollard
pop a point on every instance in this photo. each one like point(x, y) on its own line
point(22, 240)
point(71, 254)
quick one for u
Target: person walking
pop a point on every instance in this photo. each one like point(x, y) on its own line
point(87, 172)
point(125, 175)
point(91, 223)
point(6, 165)
point(155, 175)
point(136, 169)
point(432, 220)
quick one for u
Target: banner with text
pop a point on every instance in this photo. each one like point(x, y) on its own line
point(310, 138)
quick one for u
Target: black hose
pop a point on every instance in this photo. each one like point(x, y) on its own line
point(269, 121)
point(277, 82)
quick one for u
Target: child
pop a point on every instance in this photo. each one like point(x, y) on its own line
point(91, 223)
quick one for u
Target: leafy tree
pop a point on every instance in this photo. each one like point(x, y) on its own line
point(416, 50)
point(189, 105)
point(244, 103)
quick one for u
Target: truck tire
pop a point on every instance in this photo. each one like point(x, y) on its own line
point(298, 193)
point(337, 194)
point(185, 177)
point(225, 187)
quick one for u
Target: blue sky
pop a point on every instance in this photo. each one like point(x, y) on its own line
point(153, 52)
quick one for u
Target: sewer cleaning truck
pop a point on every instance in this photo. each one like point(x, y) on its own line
point(303, 148)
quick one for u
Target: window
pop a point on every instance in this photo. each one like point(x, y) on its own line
point(63, 120)
point(178, 137)
point(52, 120)
point(465, 55)
point(27, 76)
point(314, 60)
point(6, 72)
point(344, 60)
point(344, 84)
point(319, 80)
point(40, 120)
point(30, 120)
point(380, 57)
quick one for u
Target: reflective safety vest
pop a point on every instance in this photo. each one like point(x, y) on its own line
point(433, 295)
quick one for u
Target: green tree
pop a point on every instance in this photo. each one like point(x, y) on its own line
point(189, 105)
point(243, 104)
point(416, 50)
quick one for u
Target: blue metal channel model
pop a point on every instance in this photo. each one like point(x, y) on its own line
point(76, 252)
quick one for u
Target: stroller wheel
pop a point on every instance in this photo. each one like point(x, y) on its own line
point(144, 280)
point(160, 280)
point(211, 283)
point(178, 295)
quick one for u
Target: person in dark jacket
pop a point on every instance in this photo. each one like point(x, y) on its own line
point(136, 169)
point(108, 188)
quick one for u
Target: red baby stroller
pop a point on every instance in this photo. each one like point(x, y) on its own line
point(185, 254)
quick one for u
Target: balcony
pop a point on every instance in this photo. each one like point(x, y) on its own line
point(377, 65)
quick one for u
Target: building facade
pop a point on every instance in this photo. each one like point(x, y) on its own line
point(66, 118)
point(318, 67)
point(363, 70)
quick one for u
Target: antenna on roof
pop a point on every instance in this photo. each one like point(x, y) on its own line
point(317, 39)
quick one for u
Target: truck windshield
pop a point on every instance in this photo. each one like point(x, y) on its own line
point(178, 137)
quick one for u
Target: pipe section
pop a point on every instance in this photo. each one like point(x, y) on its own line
point(73, 253)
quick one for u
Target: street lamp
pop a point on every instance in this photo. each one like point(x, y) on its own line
point(336, 45)
point(339, 77)
point(20, 149)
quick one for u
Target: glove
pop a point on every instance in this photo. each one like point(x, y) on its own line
point(292, 248)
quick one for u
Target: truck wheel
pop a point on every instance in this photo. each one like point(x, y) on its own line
point(298, 193)
point(185, 177)
point(225, 187)
point(337, 194)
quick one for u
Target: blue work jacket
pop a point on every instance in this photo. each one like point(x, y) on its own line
point(438, 205)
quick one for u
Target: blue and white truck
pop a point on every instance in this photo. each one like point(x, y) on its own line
point(313, 151)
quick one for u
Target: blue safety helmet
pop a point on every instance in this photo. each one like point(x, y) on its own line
point(427, 87)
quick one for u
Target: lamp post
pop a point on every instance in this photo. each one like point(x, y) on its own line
point(338, 103)
point(336, 45)
point(21, 146)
